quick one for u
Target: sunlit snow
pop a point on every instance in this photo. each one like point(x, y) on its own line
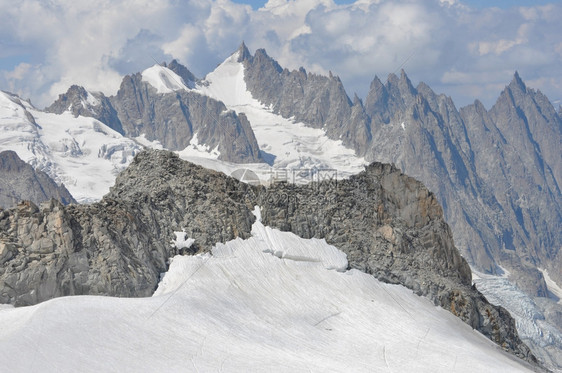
point(293, 144)
point(83, 153)
point(163, 79)
point(553, 287)
point(241, 309)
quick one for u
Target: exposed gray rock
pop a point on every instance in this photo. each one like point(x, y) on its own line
point(496, 173)
point(87, 104)
point(175, 118)
point(389, 225)
point(120, 245)
point(19, 181)
point(182, 71)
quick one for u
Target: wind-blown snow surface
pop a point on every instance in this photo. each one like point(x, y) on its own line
point(243, 309)
point(83, 153)
point(293, 144)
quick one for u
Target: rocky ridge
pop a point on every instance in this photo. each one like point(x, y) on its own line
point(174, 119)
point(496, 173)
point(389, 225)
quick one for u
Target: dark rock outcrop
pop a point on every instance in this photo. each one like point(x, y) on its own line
point(389, 225)
point(20, 181)
point(120, 245)
point(496, 173)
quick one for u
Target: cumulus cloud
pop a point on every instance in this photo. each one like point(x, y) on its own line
point(464, 52)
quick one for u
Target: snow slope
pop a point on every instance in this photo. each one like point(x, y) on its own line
point(83, 153)
point(163, 79)
point(293, 144)
point(270, 303)
point(554, 289)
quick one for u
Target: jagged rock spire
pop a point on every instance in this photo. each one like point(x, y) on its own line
point(243, 53)
point(517, 82)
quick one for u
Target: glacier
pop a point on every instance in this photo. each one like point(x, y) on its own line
point(82, 153)
point(272, 302)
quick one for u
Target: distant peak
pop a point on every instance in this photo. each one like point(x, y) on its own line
point(243, 53)
point(479, 105)
point(407, 84)
point(9, 160)
point(77, 90)
point(517, 82)
point(392, 79)
point(182, 71)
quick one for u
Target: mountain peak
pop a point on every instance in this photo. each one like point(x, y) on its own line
point(183, 73)
point(479, 106)
point(376, 83)
point(243, 53)
point(9, 161)
point(517, 82)
point(405, 83)
point(76, 99)
point(392, 79)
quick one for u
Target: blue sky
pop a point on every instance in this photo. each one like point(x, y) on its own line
point(466, 49)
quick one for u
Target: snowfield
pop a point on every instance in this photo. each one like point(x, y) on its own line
point(82, 153)
point(293, 144)
point(163, 79)
point(271, 303)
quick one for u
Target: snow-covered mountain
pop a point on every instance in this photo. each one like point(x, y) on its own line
point(497, 182)
point(249, 110)
point(82, 153)
point(120, 245)
point(291, 144)
point(272, 302)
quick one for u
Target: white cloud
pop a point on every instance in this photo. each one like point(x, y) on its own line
point(464, 52)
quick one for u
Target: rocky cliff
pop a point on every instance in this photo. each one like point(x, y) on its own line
point(174, 119)
point(496, 173)
point(19, 181)
point(389, 225)
point(316, 100)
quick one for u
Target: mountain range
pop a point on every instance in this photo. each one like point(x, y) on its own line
point(496, 172)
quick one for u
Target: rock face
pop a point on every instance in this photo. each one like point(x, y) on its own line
point(87, 104)
point(496, 173)
point(316, 100)
point(120, 245)
point(19, 181)
point(174, 119)
point(389, 225)
point(527, 174)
